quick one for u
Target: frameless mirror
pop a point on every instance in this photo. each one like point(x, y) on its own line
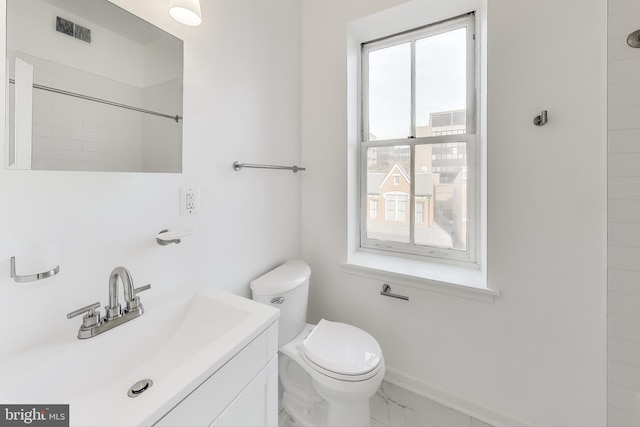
point(91, 87)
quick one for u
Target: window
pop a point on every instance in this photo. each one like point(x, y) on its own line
point(420, 212)
point(373, 209)
point(395, 207)
point(418, 143)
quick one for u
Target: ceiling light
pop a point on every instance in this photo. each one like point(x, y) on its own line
point(186, 12)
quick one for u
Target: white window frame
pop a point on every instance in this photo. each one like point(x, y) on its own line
point(431, 253)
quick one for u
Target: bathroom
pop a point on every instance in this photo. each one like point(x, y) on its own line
point(268, 82)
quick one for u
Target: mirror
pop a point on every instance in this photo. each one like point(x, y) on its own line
point(91, 87)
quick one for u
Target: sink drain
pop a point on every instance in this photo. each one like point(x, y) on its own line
point(140, 387)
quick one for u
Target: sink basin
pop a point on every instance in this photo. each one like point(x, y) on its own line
point(177, 343)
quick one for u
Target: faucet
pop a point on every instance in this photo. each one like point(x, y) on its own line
point(93, 324)
point(113, 310)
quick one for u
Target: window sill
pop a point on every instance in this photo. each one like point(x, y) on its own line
point(435, 277)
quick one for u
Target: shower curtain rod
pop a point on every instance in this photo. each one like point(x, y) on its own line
point(177, 118)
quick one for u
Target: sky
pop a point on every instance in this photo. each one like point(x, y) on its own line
point(440, 82)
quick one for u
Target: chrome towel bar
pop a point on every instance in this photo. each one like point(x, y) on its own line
point(237, 166)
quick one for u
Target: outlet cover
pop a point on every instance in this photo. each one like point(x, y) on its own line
point(189, 201)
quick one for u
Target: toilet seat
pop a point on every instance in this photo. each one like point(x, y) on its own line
point(342, 351)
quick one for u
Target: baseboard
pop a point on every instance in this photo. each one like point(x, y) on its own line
point(452, 401)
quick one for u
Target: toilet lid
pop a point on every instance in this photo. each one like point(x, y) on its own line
point(342, 348)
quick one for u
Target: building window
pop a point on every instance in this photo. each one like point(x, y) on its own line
point(419, 212)
point(395, 207)
point(373, 210)
point(418, 127)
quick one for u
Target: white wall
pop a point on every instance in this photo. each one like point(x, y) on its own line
point(74, 134)
point(34, 32)
point(241, 102)
point(537, 355)
point(624, 216)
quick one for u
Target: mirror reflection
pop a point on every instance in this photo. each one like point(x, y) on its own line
point(91, 87)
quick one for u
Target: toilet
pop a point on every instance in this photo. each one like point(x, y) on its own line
point(328, 371)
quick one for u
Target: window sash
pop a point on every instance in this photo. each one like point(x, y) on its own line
point(469, 137)
point(468, 256)
point(465, 21)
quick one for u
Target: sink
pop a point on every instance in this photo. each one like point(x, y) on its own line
point(178, 343)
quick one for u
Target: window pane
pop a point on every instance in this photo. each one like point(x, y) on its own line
point(388, 188)
point(441, 187)
point(441, 84)
point(390, 93)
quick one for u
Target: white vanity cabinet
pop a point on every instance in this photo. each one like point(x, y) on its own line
point(257, 404)
point(243, 392)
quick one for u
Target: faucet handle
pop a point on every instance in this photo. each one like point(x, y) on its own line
point(141, 288)
point(92, 318)
point(134, 304)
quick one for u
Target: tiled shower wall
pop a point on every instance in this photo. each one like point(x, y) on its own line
point(75, 134)
point(623, 215)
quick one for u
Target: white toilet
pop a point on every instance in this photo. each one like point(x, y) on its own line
point(328, 371)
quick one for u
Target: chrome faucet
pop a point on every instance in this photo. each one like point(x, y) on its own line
point(113, 310)
point(93, 324)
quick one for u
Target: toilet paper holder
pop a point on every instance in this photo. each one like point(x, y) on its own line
point(31, 277)
point(386, 291)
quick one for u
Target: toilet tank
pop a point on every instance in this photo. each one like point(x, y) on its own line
point(285, 287)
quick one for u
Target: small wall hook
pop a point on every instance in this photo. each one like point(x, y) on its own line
point(541, 120)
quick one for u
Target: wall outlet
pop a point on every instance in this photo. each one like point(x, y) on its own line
point(189, 201)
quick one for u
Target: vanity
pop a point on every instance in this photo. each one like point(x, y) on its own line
point(243, 392)
point(211, 357)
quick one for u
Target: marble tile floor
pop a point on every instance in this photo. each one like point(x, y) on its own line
point(393, 406)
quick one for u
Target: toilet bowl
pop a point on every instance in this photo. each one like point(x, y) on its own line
point(328, 371)
point(340, 383)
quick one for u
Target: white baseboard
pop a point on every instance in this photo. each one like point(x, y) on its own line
point(452, 401)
